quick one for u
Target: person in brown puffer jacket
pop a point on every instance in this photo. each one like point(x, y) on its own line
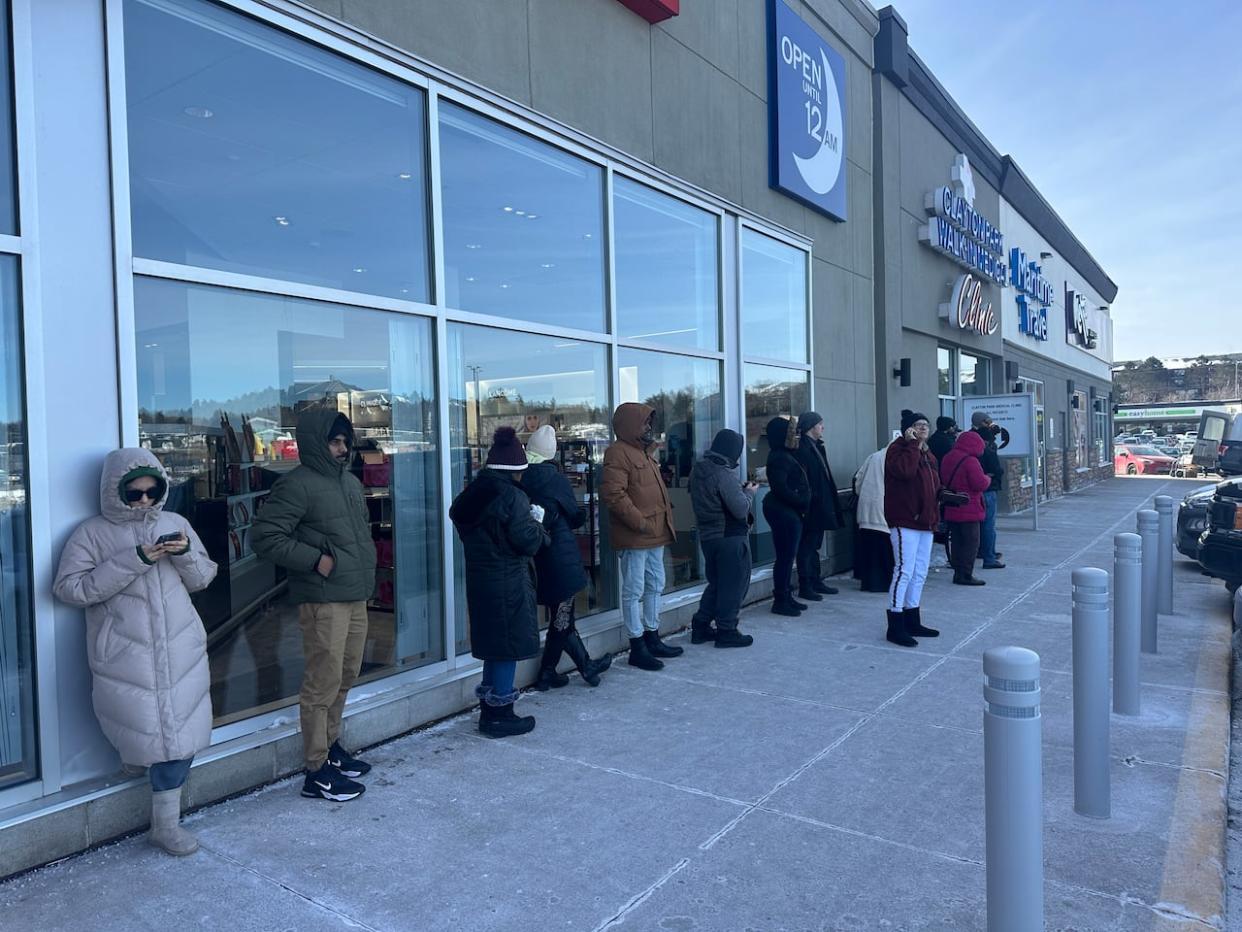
point(640, 527)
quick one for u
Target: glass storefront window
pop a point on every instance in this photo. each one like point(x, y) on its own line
point(523, 225)
point(1099, 430)
point(17, 719)
point(222, 377)
point(974, 375)
point(770, 391)
point(498, 378)
point(945, 381)
point(774, 306)
point(1080, 429)
point(686, 395)
point(666, 268)
point(254, 152)
point(8, 149)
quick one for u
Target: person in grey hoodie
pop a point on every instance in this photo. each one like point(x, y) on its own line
point(722, 509)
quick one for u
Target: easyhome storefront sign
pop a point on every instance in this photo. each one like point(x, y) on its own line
point(806, 113)
point(959, 231)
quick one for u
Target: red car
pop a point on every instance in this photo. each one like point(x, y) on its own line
point(1141, 461)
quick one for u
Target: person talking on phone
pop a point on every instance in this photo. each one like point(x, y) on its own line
point(315, 525)
point(722, 511)
point(912, 510)
point(133, 567)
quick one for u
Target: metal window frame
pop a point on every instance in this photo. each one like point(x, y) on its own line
point(439, 85)
point(25, 246)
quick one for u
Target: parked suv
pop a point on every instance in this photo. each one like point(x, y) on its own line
point(1219, 444)
point(1192, 517)
point(1220, 547)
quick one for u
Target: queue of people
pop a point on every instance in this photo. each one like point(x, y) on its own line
point(134, 566)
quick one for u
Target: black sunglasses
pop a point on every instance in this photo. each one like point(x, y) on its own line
point(137, 495)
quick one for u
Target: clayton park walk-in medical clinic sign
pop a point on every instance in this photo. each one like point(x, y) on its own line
point(806, 113)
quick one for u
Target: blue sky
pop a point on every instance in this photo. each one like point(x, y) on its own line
point(1128, 118)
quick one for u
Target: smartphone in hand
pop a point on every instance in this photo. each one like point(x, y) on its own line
point(174, 538)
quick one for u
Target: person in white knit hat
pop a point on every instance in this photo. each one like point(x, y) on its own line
point(558, 566)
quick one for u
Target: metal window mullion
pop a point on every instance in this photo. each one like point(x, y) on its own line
point(8, 242)
point(436, 205)
point(283, 288)
point(610, 254)
point(653, 347)
point(734, 383)
point(444, 432)
point(38, 444)
point(122, 232)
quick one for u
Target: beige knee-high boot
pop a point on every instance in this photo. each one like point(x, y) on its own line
point(166, 831)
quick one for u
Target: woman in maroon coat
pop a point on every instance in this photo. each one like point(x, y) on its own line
point(911, 509)
point(962, 472)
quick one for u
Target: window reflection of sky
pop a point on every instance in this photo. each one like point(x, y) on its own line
point(523, 225)
point(666, 261)
point(774, 318)
point(253, 152)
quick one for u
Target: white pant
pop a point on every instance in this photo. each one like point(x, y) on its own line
point(911, 554)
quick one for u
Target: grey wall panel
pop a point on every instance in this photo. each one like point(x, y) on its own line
point(861, 313)
point(335, 8)
point(482, 40)
point(833, 345)
point(602, 88)
point(710, 29)
point(752, 27)
point(837, 20)
point(837, 402)
point(862, 209)
point(78, 370)
point(696, 118)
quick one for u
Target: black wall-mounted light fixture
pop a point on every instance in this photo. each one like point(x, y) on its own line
point(902, 371)
point(1045, 255)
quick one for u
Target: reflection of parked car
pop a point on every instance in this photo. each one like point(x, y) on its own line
point(1141, 461)
point(1192, 517)
point(1220, 547)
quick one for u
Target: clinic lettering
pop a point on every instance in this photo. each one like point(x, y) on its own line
point(968, 309)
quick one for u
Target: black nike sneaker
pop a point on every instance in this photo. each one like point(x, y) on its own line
point(329, 783)
point(346, 763)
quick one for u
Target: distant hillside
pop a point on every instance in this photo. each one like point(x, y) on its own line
point(1161, 381)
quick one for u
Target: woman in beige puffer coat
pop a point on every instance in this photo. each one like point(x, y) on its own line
point(144, 641)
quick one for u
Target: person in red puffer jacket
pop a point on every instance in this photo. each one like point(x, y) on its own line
point(962, 472)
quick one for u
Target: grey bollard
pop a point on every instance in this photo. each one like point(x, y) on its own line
point(1127, 605)
point(1091, 746)
point(1013, 790)
point(1164, 509)
point(1149, 531)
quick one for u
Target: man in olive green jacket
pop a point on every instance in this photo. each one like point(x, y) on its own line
point(315, 525)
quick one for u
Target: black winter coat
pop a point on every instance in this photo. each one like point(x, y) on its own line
point(493, 520)
point(788, 486)
point(940, 443)
point(825, 510)
point(989, 459)
point(559, 565)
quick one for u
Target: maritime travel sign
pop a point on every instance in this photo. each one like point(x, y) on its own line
point(1034, 294)
point(806, 113)
point(959, 231)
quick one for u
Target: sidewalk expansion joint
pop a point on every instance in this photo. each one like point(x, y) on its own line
point(356, 923)
point(640, 898)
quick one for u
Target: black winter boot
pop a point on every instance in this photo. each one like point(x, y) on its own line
point(701, 632)
point(641, 657)
point(897, 632)
point(782, 604)
point(807, 591)
point(731, 637)
point(915, 626)
point(658, 648)
point(821, 586)
point(965, 579)
point(552, 649)
point(590, 669)
point(498, 721)
point(800, 606)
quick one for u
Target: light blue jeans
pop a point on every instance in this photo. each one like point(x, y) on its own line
point(642, 581)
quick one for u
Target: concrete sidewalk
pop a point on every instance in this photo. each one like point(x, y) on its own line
point(822, 779)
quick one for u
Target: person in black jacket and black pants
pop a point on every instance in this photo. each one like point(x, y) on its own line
point(558, 567)
point(981, 424)
point(824, 513)
point(785, 508)
point(500, 531)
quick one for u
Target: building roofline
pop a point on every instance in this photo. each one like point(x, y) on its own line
point(897, 61)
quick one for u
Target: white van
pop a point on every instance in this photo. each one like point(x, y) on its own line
point(1218, 443)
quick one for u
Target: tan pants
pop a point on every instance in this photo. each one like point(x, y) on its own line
point(333, 636)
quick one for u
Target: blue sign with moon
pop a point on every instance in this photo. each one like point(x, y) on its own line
point(806, 113)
